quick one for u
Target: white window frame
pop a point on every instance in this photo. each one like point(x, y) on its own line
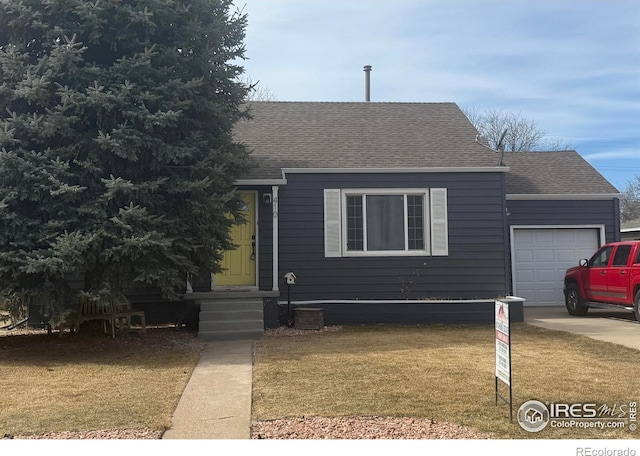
point(435, 222)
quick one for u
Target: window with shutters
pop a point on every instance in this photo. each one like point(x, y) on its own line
point(361, 222)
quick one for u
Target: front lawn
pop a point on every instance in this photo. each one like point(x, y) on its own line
point(88, 381)
point(446, 373)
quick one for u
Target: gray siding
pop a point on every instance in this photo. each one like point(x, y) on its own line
point(475, 267)
point(575, 212)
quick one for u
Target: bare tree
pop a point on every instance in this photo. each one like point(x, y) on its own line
point(630, 201)
point(511, 132)
point(555, 144)
point(257, 92)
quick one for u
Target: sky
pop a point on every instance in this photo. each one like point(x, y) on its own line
point(570, 66)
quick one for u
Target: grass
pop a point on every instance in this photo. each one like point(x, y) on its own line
point(88, 381)
point(445, 373)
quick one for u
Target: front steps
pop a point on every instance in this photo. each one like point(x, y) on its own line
point(230, 315)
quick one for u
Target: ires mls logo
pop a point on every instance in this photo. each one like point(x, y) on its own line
point(534, 416)
point(573, 410)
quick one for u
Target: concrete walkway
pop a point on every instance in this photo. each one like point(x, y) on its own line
point(216, 403)
point(615, 326)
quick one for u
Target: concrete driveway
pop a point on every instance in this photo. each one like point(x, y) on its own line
point(615, 326)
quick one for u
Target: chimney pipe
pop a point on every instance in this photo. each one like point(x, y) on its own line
point(367, 83)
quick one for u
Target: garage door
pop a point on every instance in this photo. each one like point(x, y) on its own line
point(542, 255)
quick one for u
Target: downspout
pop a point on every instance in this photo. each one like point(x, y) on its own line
point(275, 237)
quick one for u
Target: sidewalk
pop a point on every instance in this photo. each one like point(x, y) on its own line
point(216, 403)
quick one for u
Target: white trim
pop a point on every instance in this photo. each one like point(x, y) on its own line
point(247, 182)
point(562, 196)
point(487, 169)
point(401, 301)
point(386, 253)
point(275, 238)
point(512, 228)
point(256, 239)
point(385, 191)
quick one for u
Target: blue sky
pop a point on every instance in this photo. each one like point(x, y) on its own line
point(572, 67)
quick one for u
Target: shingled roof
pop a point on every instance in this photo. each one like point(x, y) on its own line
point(317, 135)
point(388, 136)
point(553, 173)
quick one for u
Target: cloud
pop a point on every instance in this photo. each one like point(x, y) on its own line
point(572, 66)
point(615, 154)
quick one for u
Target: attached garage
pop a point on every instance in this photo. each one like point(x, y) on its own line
point(558, 209)
point(541, 255)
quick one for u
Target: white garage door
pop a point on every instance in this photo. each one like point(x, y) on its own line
point(541, 257)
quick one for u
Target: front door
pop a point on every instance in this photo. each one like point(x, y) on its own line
point(239, 265)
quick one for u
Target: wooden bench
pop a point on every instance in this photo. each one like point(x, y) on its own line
point(109, 313)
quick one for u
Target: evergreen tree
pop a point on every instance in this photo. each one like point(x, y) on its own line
point(116, 155)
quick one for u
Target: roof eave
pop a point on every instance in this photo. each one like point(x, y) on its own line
point(485, 169)
point(249, 182)
point(562, 196)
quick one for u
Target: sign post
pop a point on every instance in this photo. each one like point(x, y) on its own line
point(503, 352)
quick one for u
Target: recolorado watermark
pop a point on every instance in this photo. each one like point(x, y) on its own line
point(534, 416)
point(589, 451)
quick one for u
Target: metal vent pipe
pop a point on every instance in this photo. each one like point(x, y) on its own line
point(367, 82)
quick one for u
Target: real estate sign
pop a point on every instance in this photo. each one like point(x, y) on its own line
point(503, 347)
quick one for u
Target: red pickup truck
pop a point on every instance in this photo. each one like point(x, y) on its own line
point(610, 278)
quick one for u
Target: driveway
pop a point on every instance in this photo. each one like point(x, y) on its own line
point(618, 327)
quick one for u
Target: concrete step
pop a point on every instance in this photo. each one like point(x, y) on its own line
point(231, 315)
point(230, 335)
point(231, 325)
point(231, 304)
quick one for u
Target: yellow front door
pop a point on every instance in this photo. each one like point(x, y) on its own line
point(239, 265)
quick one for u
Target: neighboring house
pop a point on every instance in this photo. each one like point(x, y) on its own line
point(366, 202)
point(630, 231)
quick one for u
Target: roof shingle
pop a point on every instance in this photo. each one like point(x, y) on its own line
point(553, 173)
point(365, 135)
point(360, 136)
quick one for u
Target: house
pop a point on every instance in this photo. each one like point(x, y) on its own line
point(396, 212)
point(630, 231)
